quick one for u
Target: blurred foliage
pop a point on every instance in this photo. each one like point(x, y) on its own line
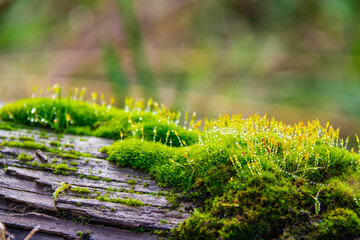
point(296, 53)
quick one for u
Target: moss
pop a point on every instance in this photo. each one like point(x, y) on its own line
point(81, 190)
point(199, 226)
point(68, 145)
point(54, 143)
point(25, 138)
point(129, 201)
point(131, 182)
point(27, 144)
point(258, 186)
point(34, 145)
point(252, 178)
point(23, 157)
point(68, 155)
point(62, 168)
point(339, 223)
point(8, 126)
point(77, 117)
point(62, 188)
point(92, 177)
point(34, 164)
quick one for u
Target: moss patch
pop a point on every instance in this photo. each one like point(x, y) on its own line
point(150, 122)
point(253, 178)
point(256, 178)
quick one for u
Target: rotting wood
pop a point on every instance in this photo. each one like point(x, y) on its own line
point(67, 228)
point(26, 193)
point(41, 155)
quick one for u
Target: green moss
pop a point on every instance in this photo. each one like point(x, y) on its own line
point(131, 182)
point(77, 117)
point(43, 135)
point(340, 223)
point(8, 126)
point(54, 143)
point(92, 177)
point(251, 182)
point(34, 164)
point(62, 168)
point(68, 145)
point(26, 144)
point(23, 157)
point(68, 155)
point(252, 178)
point(34, 145)
point(129, 201)
point(81, 190)
point(62, 188)
point(25, 138)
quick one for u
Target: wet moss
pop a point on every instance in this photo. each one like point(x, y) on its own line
point(339, 223)
point(251, 182)
point(83, 190)
point(81, 118)
point(55, 143)
point(96, 178)
point(129, 201)
point(252, 178)
point(23, 157)
point(131, 182)
point(26, 138)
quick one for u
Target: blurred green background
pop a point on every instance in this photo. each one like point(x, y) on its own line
point(296, 60)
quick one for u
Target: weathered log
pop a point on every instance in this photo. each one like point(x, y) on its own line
point(66, 228)
point(27, 193)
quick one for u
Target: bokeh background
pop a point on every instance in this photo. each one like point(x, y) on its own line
point(295, 60)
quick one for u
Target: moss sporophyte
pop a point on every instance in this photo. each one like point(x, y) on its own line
point(253, 178)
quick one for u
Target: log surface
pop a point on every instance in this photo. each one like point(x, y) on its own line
point(27, 189)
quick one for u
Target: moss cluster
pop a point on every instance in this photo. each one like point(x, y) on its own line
point(129, 201)
point(152, 123)
point(26, 138)
point(35, 145)
point(252, 178)
point(80, 190)
point(62, 188)
point(23, 157)
point(257, 178)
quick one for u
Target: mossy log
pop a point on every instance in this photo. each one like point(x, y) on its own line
point(98, 201)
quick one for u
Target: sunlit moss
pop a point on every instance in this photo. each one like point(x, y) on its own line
point(129, 201)
point(137, 120)
point(253, 178)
